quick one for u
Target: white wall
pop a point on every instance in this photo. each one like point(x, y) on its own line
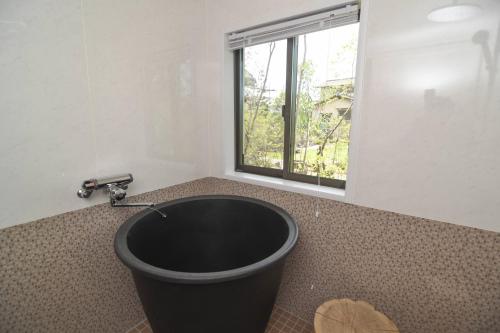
point(430, 119)
point(92, 88)
point(428, 125)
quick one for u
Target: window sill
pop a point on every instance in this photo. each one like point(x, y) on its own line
point(288, 185)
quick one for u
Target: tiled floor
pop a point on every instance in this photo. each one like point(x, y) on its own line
point(281, 321)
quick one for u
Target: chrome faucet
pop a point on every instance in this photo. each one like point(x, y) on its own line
point(116, 186)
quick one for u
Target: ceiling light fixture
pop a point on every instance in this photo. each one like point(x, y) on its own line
point(454, 13)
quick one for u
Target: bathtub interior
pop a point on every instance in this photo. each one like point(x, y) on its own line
point(212, 235)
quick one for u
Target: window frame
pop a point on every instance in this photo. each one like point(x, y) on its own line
point(288, 114)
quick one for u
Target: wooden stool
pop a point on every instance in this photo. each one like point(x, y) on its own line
point(348, 316)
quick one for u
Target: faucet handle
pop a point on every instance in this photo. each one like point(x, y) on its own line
point(116, 193)
point(84, 193)
point(88, 186)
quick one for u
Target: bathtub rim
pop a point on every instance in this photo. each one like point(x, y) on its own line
point(141, 267)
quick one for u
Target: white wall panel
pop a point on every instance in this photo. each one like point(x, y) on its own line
point(93, 88)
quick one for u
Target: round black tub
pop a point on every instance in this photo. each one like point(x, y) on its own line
point(214, 265)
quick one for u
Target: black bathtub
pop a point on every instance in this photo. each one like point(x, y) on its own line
point(214, 265)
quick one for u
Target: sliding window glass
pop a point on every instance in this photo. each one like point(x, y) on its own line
point(294, 100)
point(264, 84)
point(325, 93)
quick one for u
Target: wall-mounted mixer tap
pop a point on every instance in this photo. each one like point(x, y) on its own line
point(116, 186)
point(90, 185)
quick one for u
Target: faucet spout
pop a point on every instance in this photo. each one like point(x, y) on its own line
point(162, 214)
point(148, 205)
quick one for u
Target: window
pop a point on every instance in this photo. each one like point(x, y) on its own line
point(293, 101)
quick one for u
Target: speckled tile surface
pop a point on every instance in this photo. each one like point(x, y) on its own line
point(60, 274)
point(427, 276)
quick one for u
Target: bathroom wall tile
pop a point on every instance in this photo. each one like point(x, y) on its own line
point(144, 61)
point(427, 276)
point(43, 119)
point(93, 88)
point(429, 114)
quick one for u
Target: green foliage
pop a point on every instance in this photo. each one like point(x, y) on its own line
point(262, 127)
point(265, 141)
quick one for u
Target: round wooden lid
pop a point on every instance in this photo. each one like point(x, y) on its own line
point(348, 316)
